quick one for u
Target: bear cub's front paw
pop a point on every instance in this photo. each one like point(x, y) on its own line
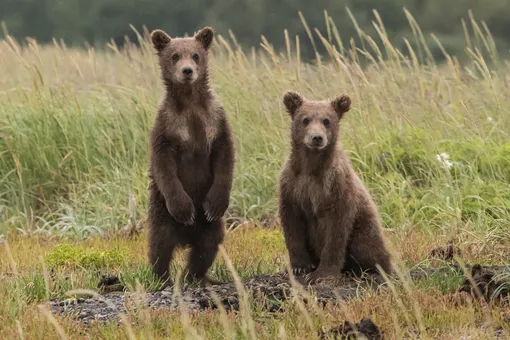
point(182, 210)
point(322, 274)
point(215, 205)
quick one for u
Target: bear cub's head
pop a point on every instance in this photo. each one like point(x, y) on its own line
point(183, 60)
point(315, 124)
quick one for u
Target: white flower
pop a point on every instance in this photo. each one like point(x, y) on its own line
point(490, 119)
point(443, 158)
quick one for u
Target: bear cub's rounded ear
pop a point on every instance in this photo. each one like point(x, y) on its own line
point(341, 105)
point(205, 37)
point(160, 39)
point(292, 102)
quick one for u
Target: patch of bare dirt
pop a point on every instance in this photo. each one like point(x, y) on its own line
point(270, 290)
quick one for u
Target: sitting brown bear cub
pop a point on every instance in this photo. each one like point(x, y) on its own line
point(330, 223)
point(191, 159)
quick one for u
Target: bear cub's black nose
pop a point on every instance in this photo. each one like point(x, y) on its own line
point(317, 139)
point(187, 71)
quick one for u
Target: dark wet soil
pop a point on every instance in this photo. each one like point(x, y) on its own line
point(272, 290)
point(484, 283)
point(269, 290)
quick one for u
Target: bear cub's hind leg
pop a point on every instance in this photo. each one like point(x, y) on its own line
point(204, 248)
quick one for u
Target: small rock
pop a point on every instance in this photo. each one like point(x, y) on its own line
point(108, 281)
point(486, 326)
point(167, 293)
point(445, 253)
point(109, 284)
point(65, 302)
point(113, 288)
point(366, 327)
point(498, 332)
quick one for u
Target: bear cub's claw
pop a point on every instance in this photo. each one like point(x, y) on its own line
point(303, 270)
point(214, 207)
point(191, 221)
point(317, 276)
point(184, 213)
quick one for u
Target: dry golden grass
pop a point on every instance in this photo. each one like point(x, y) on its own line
point(442, 313)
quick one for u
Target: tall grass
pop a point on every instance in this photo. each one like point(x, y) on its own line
point(74, 128)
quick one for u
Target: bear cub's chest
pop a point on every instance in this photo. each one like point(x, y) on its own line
point(196, 132)
point(312, 193)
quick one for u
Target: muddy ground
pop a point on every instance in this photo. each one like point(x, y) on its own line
point(272, 290)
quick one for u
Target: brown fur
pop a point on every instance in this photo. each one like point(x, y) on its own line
point(329, 219)
point(191, 160)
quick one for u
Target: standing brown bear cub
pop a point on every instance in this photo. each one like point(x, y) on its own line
point(191, 159)
point(330, 222)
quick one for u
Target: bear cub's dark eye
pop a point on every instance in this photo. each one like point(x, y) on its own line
point(306, 121)
point(326, 122)
point(195, 57)
point(175, 58)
